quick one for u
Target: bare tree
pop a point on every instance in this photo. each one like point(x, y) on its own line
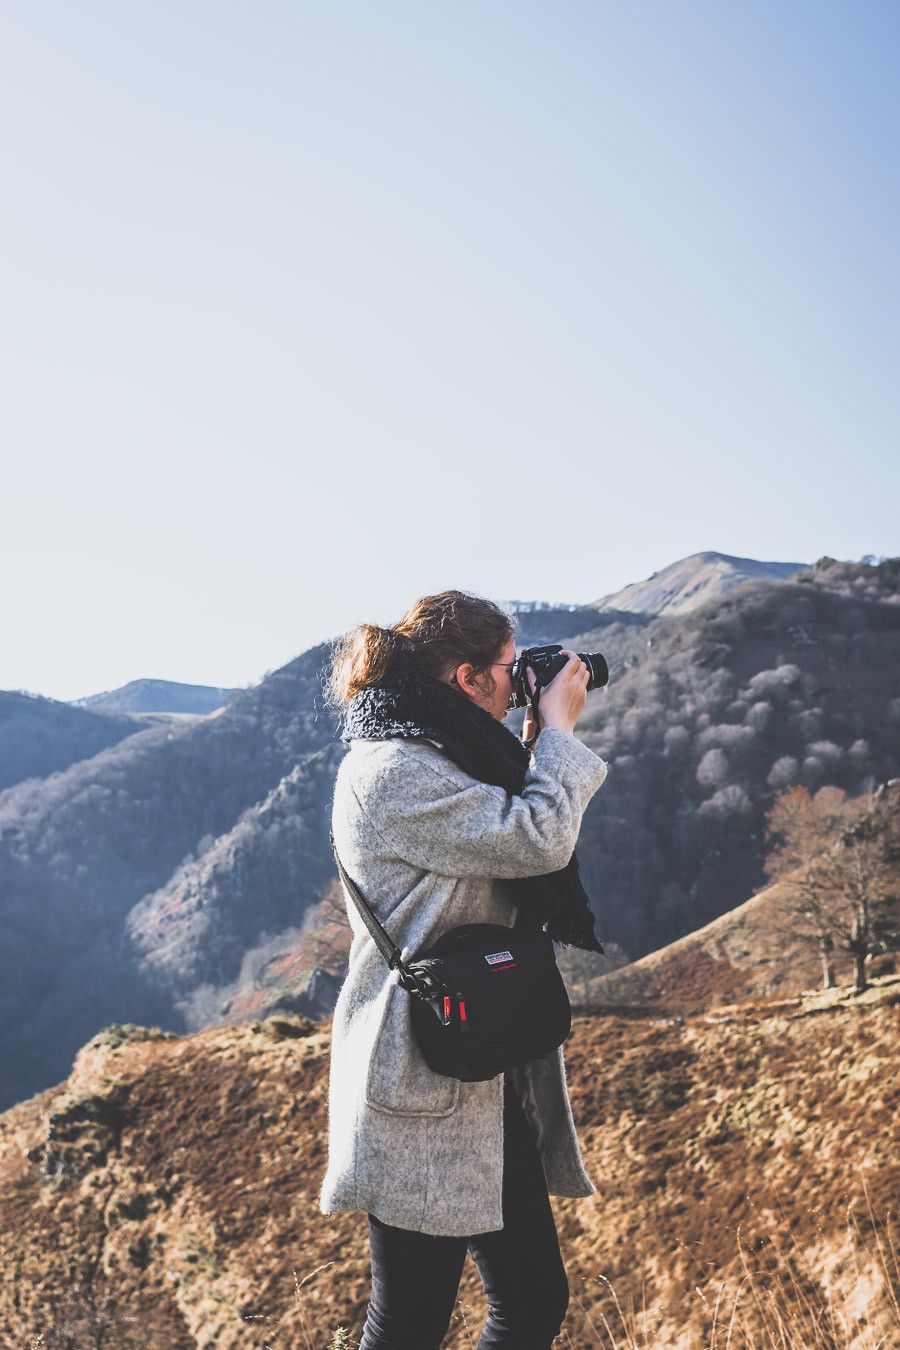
point(861, 873)
point(838, 861)
point(800, 828)
point(327, 934)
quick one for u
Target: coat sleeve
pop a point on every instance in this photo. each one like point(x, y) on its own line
point(435, 816)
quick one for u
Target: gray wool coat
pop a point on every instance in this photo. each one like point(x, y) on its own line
point(430, 848)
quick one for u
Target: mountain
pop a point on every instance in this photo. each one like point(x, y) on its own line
point(666, 852)
point(155, 881)
point(269, 863)
point(40, 736)
point(753, 951)
point(139, 884)
point(693, 581)
point(543, 624)
point(878, 581)
point(79, 850)
point(774, 684)
point(166, 1194)
point(158, 696)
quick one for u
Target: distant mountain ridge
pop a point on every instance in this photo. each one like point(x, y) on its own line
point(690, 582)
point(40, 736)
point(157, 696)
point(544, 624)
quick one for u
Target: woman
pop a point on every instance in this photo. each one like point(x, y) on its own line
point(442, 817)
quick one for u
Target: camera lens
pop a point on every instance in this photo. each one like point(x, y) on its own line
point(599, 670)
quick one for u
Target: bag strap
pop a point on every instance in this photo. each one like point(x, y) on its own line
point(383, 941)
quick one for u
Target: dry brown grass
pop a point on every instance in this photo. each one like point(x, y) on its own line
point(777, 1306)
point(785, 1307)
point(744, 1160)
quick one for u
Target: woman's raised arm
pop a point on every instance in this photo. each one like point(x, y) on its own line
point(433, 815)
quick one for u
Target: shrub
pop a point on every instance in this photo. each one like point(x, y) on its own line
point(728, 801)
point(726, 735)
point(712, 771)
point(784, 772)
point(826, 751)
point(759, 715)
point(774, 683)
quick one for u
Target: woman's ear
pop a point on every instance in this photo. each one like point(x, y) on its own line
point(464, 678)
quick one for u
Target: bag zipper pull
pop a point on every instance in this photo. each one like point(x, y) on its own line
point(463, 1020)
point(447, 1004)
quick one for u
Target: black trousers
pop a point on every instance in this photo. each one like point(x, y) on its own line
point(415, 1276)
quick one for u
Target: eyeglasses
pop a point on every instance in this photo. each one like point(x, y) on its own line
point(507, 665)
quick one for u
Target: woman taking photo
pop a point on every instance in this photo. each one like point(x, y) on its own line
point(442, 817)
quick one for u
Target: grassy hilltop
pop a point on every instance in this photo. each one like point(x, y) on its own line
point(166, 1193)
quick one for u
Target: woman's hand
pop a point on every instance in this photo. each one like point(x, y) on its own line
point(528, 726)
point(562, 700)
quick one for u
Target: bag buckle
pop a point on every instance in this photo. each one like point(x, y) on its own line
point(422, 980)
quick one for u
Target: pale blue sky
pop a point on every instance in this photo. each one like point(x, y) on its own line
point(309, 309)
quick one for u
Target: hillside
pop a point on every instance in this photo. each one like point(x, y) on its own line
point(752, 951)
point(273, 854)
point(152, 881)
point(541, 624)
point(698, 755)
point(138, 884)
point(168, 1190)
point(693, 581)
point(863, 580)
point(779, 683)
point(40, 736)
point(79, 850)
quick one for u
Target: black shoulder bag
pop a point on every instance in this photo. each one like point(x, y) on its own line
point(483, 998)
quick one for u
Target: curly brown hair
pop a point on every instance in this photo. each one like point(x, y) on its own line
point(436, 634)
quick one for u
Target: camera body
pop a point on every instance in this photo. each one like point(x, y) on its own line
point(547, 662)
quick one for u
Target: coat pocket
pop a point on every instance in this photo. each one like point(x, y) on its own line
point(398, 1079)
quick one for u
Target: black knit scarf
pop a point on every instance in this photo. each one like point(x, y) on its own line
point(410, 704)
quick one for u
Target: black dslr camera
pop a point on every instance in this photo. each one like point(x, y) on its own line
point(547, 662)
